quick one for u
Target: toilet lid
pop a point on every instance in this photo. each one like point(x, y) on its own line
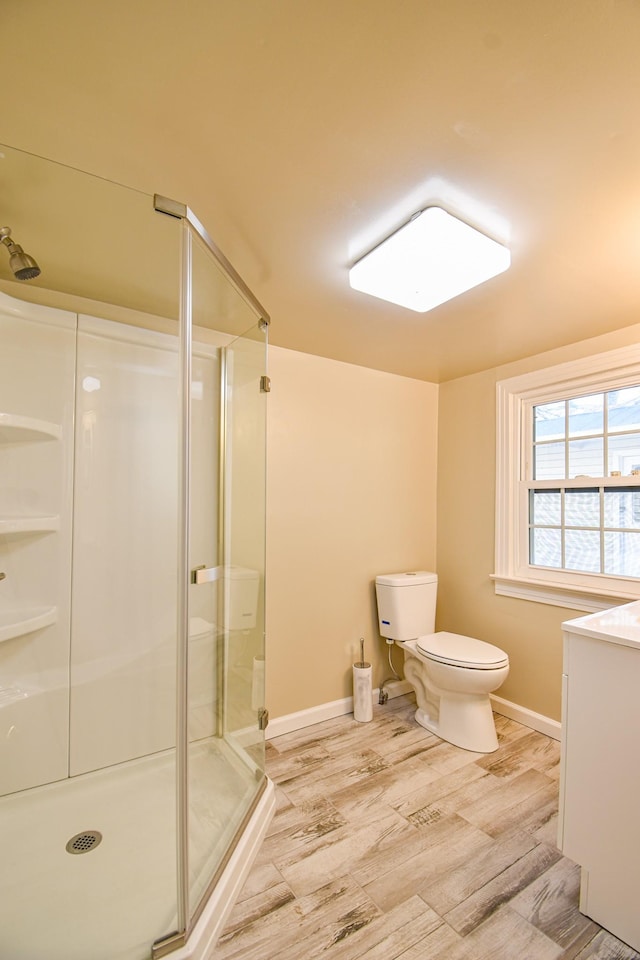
point(460, 651)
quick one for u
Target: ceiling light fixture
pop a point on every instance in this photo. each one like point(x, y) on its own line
point(432, 258)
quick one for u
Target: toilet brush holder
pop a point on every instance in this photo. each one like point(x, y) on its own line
point(362, 691)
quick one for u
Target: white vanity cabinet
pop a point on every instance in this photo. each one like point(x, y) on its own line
point(599, 824)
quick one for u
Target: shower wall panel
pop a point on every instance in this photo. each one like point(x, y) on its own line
point(110, 629)
point(123, 659)
point(37, 368)
point(123, 650)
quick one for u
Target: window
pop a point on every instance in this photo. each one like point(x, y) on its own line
point(568, 483)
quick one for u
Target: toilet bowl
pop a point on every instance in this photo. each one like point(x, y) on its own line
point(452, 674)
point(453, 693)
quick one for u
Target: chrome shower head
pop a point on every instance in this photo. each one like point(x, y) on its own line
point(23, 266)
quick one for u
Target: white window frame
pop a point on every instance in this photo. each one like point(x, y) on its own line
point(514, 576)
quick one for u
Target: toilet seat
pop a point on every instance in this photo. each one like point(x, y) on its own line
point(460, 651)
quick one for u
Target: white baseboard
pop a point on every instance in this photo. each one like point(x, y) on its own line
point(339, 708)
point(328, 711)
point(528, 718)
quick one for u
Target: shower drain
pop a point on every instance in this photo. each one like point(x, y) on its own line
point(83, 842)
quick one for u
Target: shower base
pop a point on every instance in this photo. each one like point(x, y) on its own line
point(117, 897)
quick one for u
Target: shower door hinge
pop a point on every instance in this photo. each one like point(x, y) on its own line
point(263, 718)
point(265, 384)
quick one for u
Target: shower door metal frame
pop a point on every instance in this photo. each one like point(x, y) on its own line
point(173, 208)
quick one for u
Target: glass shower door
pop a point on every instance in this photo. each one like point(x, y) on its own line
point(88, 521)
point(245, 388)
point(225, 649)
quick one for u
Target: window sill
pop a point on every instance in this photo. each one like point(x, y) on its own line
point(573, 598)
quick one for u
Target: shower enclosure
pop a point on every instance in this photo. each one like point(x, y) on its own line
point(133, 391)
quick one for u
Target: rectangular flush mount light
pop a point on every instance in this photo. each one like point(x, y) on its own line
point(431, 259)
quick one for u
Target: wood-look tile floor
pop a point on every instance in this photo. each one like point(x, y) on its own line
point(389, 843)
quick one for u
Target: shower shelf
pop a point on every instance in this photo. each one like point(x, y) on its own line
point(16, 429)
point(14, 526)
point(17, 623)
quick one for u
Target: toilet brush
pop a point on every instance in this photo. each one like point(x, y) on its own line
point(362, 693)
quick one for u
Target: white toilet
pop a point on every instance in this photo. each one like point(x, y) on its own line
point(452, 675)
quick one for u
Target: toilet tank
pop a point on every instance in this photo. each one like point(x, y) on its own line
point(241, 587)
point(406, 604)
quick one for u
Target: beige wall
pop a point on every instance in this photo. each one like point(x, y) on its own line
point(351, 492)
point(529, 632)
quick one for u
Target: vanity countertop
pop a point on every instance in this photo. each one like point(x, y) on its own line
point(617, 625)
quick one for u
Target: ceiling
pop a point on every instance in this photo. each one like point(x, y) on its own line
point(302, 132)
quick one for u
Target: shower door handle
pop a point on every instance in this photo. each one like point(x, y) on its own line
point(206, 574)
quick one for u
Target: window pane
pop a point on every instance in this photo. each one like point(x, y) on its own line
point(545, 507)
point(582, 508)
point(622, 554)
point(624, 453)
point(586, 458)
point(624, 409)
point(622, 507)
point(582, 550)
point(549, 421)
point(586, 415)
point(546, 548)
point(549, 461)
